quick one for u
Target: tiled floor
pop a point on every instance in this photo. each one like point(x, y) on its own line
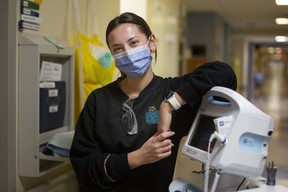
point(273, 100)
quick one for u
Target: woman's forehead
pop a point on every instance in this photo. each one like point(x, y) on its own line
point(123, 32)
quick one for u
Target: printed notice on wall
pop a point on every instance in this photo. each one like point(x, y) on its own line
point(50, 71)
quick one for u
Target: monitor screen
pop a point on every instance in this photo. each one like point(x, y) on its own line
point(204, 128)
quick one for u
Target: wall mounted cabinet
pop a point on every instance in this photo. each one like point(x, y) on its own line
point(34, 50)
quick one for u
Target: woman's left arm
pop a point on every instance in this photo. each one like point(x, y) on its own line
point(189, 89)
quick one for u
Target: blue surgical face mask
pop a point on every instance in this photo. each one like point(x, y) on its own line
point(134, 62)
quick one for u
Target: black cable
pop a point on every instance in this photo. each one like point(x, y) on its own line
point(241, 183)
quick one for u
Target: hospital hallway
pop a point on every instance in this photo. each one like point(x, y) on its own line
point(272, 98)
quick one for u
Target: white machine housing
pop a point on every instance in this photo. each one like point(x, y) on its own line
point(250, 131)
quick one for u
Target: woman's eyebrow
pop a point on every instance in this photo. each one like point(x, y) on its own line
point(116, 45)
point(132, 38)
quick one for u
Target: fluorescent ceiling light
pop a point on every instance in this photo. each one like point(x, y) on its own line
point(282, 21)
point(281, 39)
point(281, 2)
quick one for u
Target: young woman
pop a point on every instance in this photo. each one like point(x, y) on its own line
point(127, 136)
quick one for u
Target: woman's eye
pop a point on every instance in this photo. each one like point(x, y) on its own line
point(117, 50)
point(134, 43)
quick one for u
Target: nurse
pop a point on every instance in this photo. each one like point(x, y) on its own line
point(127, 135)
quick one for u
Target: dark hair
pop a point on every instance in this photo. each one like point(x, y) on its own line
point(128, 18)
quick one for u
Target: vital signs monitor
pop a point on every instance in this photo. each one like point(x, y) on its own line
point(230, 134)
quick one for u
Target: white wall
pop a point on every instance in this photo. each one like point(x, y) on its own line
point(138, 7)
point(163, 18)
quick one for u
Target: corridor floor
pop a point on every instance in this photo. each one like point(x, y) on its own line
point(272, 98)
